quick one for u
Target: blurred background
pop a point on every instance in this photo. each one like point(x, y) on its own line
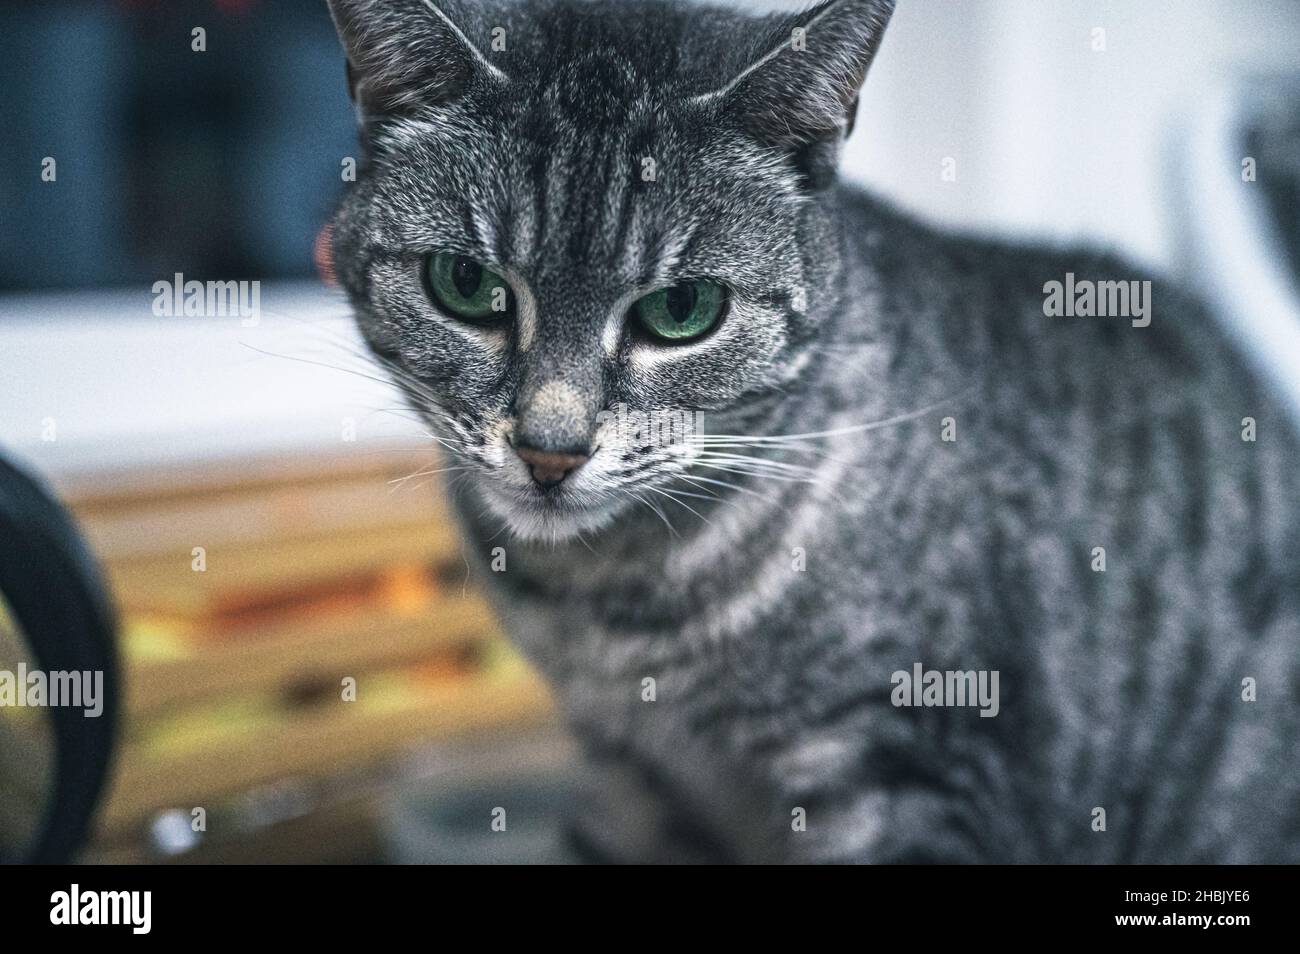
point(266, 511)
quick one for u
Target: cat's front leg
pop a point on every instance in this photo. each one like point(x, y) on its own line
point(627, 811)
point(658, 793)
point(877, 790)
point(880, 825)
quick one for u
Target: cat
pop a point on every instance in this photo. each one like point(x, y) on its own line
point(743, 453)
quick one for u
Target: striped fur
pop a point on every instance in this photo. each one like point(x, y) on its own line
point(770, 586)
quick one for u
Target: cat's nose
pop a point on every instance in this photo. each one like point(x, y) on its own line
point(550, 467)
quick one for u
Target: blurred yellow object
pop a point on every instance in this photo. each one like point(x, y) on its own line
point(288, 620)
point(153, 638)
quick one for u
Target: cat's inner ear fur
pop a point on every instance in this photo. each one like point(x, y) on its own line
point(405, 54)
point(800, 92)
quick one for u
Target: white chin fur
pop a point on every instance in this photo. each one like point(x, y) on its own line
point(544, 524)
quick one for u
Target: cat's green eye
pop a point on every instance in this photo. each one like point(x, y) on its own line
point(682, 312)
point(467, 289)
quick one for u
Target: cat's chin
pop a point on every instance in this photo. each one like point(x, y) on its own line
point(544, 520)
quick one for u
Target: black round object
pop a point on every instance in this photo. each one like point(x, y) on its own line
point(53, 588)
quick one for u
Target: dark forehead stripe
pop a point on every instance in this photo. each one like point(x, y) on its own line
point(576, 191)
point(594, 89)
point(595, 85)
point(644, 37)
point(581, 185)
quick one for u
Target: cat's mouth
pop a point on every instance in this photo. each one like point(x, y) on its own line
point(549, 512)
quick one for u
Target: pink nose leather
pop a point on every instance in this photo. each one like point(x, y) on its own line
point(549, 467)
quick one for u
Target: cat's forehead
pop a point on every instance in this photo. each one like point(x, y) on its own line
point(590, 157)
point(632, 193)
point(591, 82)
point(593, 51)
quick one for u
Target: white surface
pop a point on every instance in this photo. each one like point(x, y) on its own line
point(125, 388)
point(1236, 251)
point(1051, 138)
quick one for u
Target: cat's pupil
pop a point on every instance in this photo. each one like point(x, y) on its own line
point(681, 302)
point(467, 276)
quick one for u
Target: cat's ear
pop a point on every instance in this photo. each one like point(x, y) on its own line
point(802, 85)
point(404, 53)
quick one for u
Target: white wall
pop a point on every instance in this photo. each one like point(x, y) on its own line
point(1050, 137)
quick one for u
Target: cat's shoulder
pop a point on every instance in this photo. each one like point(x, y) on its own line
point(1089, 301)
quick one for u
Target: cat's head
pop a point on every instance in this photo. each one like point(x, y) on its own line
point(578, 218)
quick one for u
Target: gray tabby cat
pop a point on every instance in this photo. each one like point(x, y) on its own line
point(577, 217)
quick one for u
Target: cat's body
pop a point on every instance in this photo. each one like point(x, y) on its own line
point(733, 674)
point(1120, 689)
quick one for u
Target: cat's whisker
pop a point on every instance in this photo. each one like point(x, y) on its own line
point(673, 495)
point(788, 440)
point(696, 478)
point(413, 487)
point(583, 541)
point(761, 463)
point(706, 493)
point(688, 493)
point(485, 512)
point(398, 482)
point(657, 511)
point(819, 453)
point(397, 374)
point(335, 367)
point(451, 444)
point(750, 473)
point(319, 364)
point(750, 445)
point(732, 453)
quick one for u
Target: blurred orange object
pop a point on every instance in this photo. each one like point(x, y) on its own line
point(324, 255)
